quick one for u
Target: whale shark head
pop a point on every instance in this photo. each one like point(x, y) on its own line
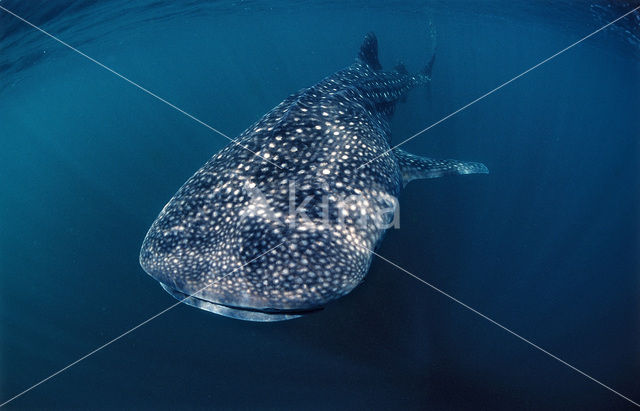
point(261, 255)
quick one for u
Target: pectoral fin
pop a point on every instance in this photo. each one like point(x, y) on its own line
point(415, 167)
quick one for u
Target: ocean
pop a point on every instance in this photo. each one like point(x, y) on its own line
point(546, 245)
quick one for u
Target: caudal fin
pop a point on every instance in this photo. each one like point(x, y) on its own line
point(427, 69)
point(427, 73)
point(424, 75)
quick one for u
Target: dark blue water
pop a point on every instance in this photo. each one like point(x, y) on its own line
point(547, 244)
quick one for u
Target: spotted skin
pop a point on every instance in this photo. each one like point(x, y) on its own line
point(228, 241)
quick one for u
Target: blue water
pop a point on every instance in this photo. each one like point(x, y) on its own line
point(547, 244)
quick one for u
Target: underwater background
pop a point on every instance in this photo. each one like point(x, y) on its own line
point(547, 244)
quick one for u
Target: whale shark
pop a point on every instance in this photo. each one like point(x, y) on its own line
point(284, 219)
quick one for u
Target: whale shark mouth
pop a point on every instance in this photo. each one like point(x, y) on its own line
point(240, 313)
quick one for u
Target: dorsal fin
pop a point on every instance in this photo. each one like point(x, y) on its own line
point(369, 51)
point(401, 68)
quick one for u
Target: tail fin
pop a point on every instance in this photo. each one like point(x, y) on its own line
point(426, 71)
point(424, 76)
